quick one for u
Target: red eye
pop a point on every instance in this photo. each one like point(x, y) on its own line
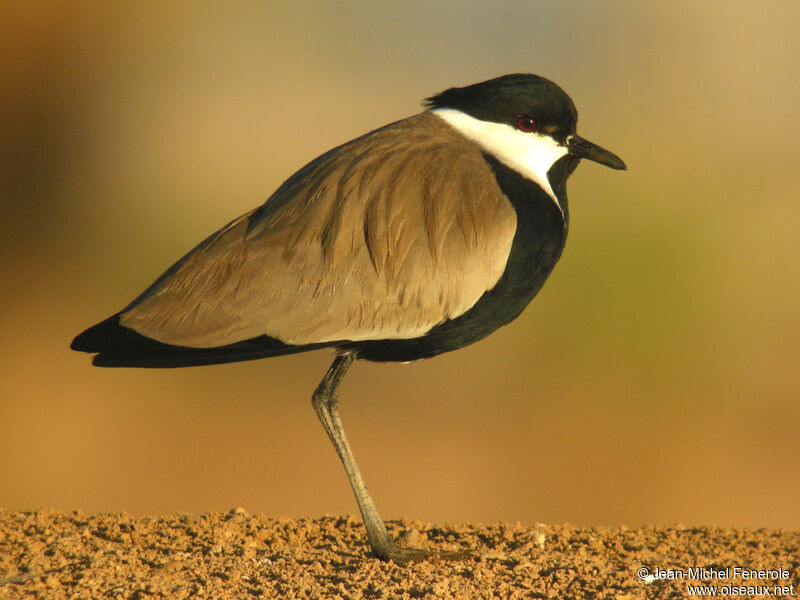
point(526, 124)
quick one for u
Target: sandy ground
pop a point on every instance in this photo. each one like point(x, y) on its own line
point(54, 555)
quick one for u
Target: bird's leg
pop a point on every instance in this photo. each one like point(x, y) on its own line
point(325, 401)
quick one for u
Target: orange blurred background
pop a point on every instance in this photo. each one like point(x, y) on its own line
point(653, 381)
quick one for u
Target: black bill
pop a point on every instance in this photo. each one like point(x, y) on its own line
point(582, 148)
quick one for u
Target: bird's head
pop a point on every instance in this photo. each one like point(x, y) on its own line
point(525, 121)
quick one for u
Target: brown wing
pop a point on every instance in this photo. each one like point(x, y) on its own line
point(382, 238)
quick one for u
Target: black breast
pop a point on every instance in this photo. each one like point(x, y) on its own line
point(538, 242)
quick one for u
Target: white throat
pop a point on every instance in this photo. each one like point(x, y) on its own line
point(530, 154)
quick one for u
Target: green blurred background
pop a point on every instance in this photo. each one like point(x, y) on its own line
point(654, 380)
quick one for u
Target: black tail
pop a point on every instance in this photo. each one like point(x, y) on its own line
point(118, 346)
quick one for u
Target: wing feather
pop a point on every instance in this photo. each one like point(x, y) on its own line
point(382, 238)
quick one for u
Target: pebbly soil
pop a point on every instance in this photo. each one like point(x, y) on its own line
point(54, 555)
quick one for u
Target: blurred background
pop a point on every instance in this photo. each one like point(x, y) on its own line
point(653, 381)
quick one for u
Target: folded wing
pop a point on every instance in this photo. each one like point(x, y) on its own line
point(382, 238)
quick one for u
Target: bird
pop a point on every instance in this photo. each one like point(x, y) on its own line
point(420, 237)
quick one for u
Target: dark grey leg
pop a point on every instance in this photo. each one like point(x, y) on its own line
point(325, 401)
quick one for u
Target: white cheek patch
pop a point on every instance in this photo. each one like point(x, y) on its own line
point(530, 154)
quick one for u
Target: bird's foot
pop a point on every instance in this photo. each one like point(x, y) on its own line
point(403, 556)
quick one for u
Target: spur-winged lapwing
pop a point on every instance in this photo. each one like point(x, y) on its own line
point(417, 238)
